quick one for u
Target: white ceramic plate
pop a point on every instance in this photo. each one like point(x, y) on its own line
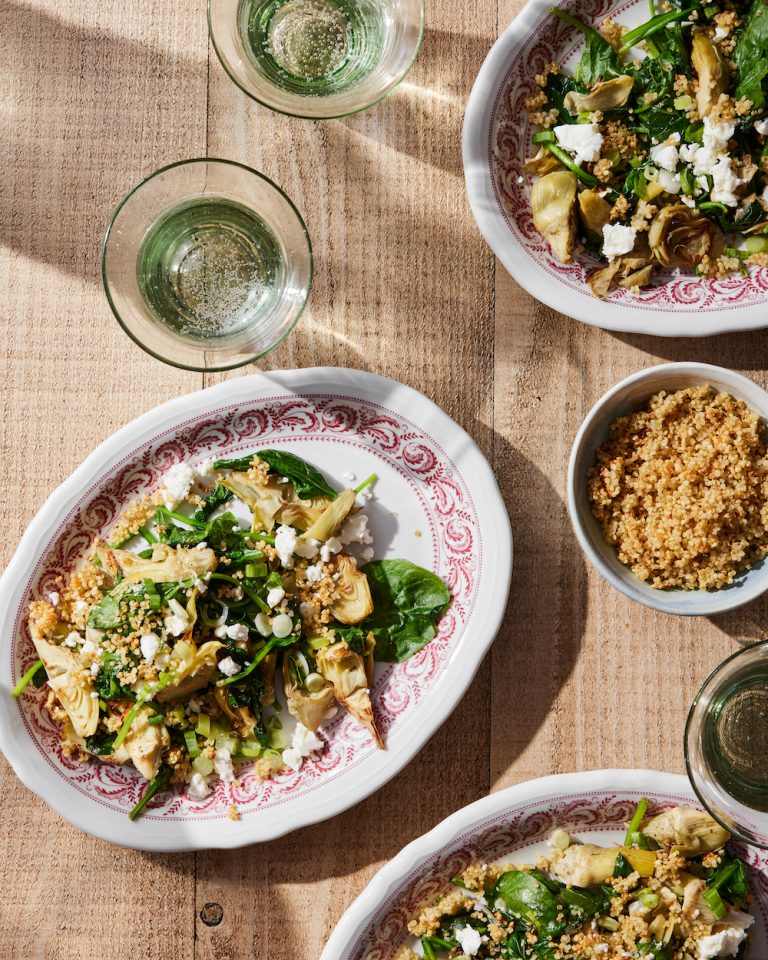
point(436, 503)
point(514, 824)
point(496, 141)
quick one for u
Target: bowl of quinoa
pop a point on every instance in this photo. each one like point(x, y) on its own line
point(668, 488)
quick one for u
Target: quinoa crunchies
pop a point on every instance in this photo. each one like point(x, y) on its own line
point(681, 489)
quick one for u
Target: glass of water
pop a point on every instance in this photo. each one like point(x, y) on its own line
point(207, 264)
point(726, 744)
point(317, 58)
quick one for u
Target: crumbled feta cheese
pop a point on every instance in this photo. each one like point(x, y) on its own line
point(274, 596)
point(95, 667)
point(285, 545)
point(720, 33)
point(89, 647)
point(365, 496)
point(303, 743)
point(220, 631)
point(176, 484)
point(724, 182)
point(349, 477)
point(198, 787)
point(332, 545)
point(367, 554)
point(54, 598)
point(314, 573)
point(636, 908)
point(688, 201)
point(80, 607)
point(765, 193)
point(205, 469)
point(72, 639)
point(263, 624)
point(282, 626)
point(726, 943)
point(665, 156)
point(520, 179)
point(669, 181)
point(355, 530)
point(237, 632)
point(762, 127)
point(617, 239)
point(229, 667)
point(193, 706)
point(150, 644)
point(583, 140)
point(176, 625)
point(307, 548)
point(222, 764)
point(470, 940)
point(717, 135)
point(688, 151)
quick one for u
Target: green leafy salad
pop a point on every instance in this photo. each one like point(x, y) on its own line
point(655, 153)
point(165, 647)
point(671, 891)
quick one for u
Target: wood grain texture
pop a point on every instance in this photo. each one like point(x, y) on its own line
point(94, 97)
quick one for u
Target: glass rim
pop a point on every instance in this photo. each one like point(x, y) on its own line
point(733, 828)
point(327, 116)
point(217, 368)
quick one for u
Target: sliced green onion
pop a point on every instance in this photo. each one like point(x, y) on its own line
point(682, 103)
point(543, 136)
point(651, 27)
point(608, 923)
point(649, 899)
point(253, 570)
point(757, 244)
point(317, 643)
point(637, 819)
point(368, 480)
point(568, 162)
point(203, 725)
point(21, 685)
point(156, 720)
point(715, 903)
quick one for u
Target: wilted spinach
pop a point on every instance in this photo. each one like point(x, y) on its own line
point(547, 906)
point(100, 744)
point(307, 481)
point(750, 55)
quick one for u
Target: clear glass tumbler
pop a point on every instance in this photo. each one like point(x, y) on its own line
point(207, 264)
point(726, 744)
point(317, 58)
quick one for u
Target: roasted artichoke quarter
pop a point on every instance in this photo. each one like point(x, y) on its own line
point(585, 864)
point(264, 501)
point(553, 198)
point(71, 684)
point(711, 72)
point(354, 602)
point(606, 95)
point(690, 832)
point(544, 161)
point(594, 212)
point(345, 669)
point(331, 519)
point(309, 707)
point(679, 236)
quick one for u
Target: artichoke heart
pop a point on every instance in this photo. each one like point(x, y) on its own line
point(309, 708)
point(166, 565)
point(241, 718)
point(346, 671)
point(354, 602)
point(264, 501)
point(690, 832)
point(695, 907)
point(594, 212)
point(192, 669)
point(331, 519)
point(145, 743)
point(679, 236)
point(711, 72)
point(72, 685)
point(553, 198)
point(585, 864)
point(301, 514)
point(544, 161)
point(606, 95)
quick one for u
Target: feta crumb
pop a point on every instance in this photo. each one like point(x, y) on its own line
point(720, 33)
point(285, 545)
point(303, 743)
point(724, 182)
point(520, 179)
point(176, 484)
point(220, 631)
point(293, 759)
point(669, 181)
point(306, 609)
point(688, 201)
point(332, 545)
point(89, 647)
point(178, 621)
point(665, 156)
point(222, 764)
point(365, 496)
point(617, 239)
point(314, 573)
point(198, 787)
point(470, 940)
point(307, 548)
point(237, 632)
point(72, 639)
point(762, 127)
point(367, 554)
point(263, 624)
point(80, 607)
point(583, 140)
point(274, 596)
point(205, 469)
point(348, 477)
point(54, 598)
point(229, 667)
point(150, 644)
point(355, 530)
point(94, 668)
point(726, 943)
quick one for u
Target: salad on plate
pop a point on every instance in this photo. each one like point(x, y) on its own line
point(169, 646)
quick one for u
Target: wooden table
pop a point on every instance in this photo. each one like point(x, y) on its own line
point(92, 98)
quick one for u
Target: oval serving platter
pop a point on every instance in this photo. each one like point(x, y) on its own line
point(436, 502)
point(513, 825)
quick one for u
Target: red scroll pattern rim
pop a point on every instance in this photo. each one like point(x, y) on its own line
point(505, 833)
point(509, 138)
point(401, 446)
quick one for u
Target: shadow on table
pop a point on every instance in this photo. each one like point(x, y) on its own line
point(89, 113)
point(740, 351)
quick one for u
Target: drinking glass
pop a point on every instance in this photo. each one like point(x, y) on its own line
point(207, 265)
point(726, 744)
point(316, 58)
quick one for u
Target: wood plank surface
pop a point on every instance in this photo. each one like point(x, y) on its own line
point(92, 98)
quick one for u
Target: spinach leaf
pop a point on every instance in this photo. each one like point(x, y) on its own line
point(655, 951)
point(599, 61)
point(215, 499)
point(660, 123)
point(407, 602)
point(107, 685)
point(100, 743)
point(516, 947)
point(622, 867)
point(652, 76)
point(558, 86)
point(217, 532)
point(546, 905)
point(721, 215)
point(750, 56)
point(107, 613)
point(731, 881)
point(307, 482)
point(354, 637)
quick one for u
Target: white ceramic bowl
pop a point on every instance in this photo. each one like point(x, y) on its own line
point(436, 502)
point(496, 141)
point(514, 824)
point(626, 396)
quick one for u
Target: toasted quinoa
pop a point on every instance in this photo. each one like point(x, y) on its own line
point(681, 489)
